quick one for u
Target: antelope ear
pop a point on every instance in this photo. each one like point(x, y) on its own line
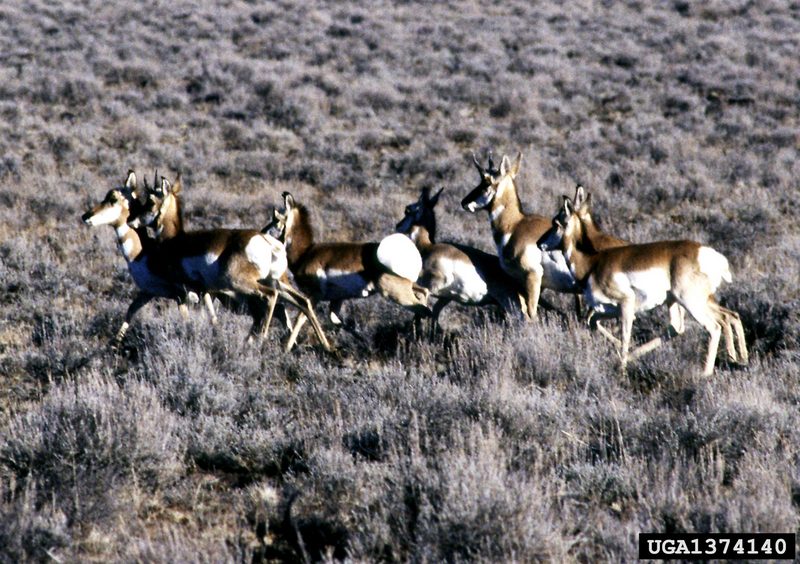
point(505, 166)
point(130, 181)
point(586, 207)
point(568, 206)
point(288, 201)
point(433, 201)
point(425, 194)
point(515, 167)
point(580, 196)
point(177, 186)
point(166, 187)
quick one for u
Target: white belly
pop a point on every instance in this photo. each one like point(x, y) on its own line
point(268, 255)
point(337, 284)
point(649, 286)
point(649, 289)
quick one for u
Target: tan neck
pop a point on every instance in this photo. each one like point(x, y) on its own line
point(171, 220)
point(421, 237)
point(299, 235)
point(582, 262)
point(128, 239)
point(594, 240)
point(505, 211)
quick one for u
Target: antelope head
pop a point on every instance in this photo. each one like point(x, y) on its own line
point(283, 222)
point(116, 206)
point(562, 235)
point(161, 201)
point(276, 226)
point(493, 183)
point(420, 213)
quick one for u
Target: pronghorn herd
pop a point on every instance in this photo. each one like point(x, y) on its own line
point(255, 268)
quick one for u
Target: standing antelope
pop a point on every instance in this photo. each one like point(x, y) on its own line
point(244, 264)
point(515, 234)
point(624, 280)
point(454, 272)
point(335, 272)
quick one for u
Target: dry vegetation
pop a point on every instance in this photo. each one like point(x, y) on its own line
point(490, 440)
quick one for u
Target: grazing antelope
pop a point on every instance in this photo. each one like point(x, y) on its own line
point(624, 280)
point(515, 234)
point(454, 272)
point(243, 264)
point(335, 272)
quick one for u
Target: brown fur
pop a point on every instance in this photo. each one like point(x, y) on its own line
point(233, 275)
point(308, 258)
point(678, 263)
point(419, 223)
point(515, 233)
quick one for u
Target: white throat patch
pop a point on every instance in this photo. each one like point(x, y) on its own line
point(497, 212)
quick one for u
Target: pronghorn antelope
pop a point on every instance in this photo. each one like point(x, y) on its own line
point(624, 280)
point(455, 272)
point(515, 234)
point(243, 264)
point(163, 212)
point(335, 272)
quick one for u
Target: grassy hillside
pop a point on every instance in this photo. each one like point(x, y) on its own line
point(491, 440)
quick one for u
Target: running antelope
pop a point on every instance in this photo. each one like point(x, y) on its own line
point(243, 264)
point(335, 272)
point(454, 272)
point(625, 280)
point(163, 212)
point(515, 234)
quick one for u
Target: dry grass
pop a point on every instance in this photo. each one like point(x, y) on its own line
point(489, 440)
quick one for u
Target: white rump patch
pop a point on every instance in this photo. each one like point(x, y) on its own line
point(399, 255)
point(268, 255)
point(714, 265)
